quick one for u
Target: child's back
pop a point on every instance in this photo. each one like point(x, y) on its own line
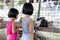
point(10, 35)
point(26, 33)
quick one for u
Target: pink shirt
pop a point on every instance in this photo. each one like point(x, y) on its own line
point(11, 36)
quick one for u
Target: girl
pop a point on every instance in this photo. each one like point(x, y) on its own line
point(11, 28)
point(27, 23)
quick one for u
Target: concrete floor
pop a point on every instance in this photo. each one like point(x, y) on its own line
point(2, 34)
point(48, 35)
point(45, 34)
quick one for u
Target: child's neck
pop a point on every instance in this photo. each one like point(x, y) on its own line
point(12, 19)
point(26, 16)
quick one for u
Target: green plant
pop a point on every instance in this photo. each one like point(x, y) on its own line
point(21, 2)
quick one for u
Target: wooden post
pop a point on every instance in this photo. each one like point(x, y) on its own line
point(39, 8)
point(12, 3)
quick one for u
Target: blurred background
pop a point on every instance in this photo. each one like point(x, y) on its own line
point(50, 9)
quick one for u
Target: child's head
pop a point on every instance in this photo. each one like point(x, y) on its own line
point(13, 13)
point(27, 9)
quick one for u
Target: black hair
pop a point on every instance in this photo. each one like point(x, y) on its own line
point(27, 9)
point(13, 13)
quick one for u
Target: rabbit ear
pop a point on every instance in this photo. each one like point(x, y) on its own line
point(40, 18)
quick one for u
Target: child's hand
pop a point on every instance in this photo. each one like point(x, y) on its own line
point(19, 26)
point(20, 20)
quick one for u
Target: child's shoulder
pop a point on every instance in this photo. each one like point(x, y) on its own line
point(9, 22)
point(31, 21)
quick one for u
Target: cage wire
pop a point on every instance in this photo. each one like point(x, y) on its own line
point(52, 32)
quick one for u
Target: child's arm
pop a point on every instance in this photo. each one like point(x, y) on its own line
point(30, 23)
point(20, 22)
point(6, 31)
point(14, 29)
